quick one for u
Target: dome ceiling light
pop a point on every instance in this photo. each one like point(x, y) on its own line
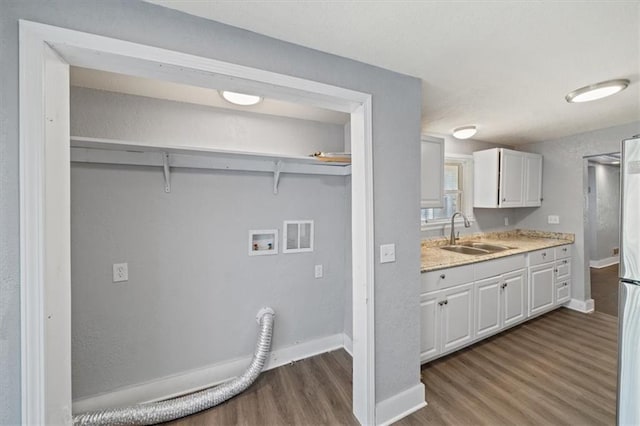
point(464, 132)
point(597, 91)
point(241, 99)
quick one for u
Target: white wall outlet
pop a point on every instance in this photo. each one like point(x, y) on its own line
point(120, 272)
point(553, 219)
point(318, 272)
point(506, 221)
point(387, 253)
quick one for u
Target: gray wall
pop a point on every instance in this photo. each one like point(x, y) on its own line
point(608, 210)
point(96, 113)
point(194, 291)
point(396, 135)
point(563, 182)
point(591, 236)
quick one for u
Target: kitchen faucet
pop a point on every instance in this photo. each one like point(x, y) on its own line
point(452, 240)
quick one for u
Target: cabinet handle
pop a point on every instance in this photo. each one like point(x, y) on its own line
point(443, 276)
point(565, 261)
point(446, 302)
point(555, 270)
point(441, 303)
point(541, 199)
point(566, 284)
point(504, 199)
point(564, 249)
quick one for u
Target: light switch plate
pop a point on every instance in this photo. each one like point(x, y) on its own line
point(387, 253)
point(318, 271)
point(120, 272)
point(553, 219)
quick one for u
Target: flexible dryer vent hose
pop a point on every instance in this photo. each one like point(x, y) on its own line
point(164, 411)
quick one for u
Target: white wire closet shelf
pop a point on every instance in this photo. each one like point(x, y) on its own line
point(114, 151)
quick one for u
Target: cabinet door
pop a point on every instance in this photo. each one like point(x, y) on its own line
point(533, 180)
point(563, 292)
point(457, 317)
point(514, 297)
point(563, 269)
point(488, 306)
point(429, 326)
point(432, 172)
point(511, 179)
point(541, 288)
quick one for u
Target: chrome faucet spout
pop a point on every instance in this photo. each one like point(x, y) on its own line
point(467, 224)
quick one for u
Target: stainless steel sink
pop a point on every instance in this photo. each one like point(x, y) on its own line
point(492, 248)
point(466, 250)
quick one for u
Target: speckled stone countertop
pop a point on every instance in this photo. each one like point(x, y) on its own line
point(521, 241)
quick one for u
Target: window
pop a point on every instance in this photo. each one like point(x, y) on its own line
point(458, 192)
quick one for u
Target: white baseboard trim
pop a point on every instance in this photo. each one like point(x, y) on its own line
point(584, 306)
point(193, 380)
point(603, 263)
point(348, 345)
point(400, 405)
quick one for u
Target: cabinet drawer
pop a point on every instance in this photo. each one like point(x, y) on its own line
point(491, 268)
point(563, 292)
point(563, 252)
point(563, 269)
point(445, 278)
point(541, 256)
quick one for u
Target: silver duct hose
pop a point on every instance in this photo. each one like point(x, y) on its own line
point(171, 409)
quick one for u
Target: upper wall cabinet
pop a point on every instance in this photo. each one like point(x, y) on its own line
point(505, 178)
point(432, 172)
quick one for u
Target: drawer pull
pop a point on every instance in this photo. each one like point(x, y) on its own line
point(544, 254)
point(565, 261)
point(443, 276)
point(564, 249)
point(446, 302)
point(555, 270)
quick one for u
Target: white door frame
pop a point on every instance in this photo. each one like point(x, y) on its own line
point(45, 55)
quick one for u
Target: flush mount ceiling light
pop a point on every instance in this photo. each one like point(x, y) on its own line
point(464, 132)
point(597, 91)
point(240, 98)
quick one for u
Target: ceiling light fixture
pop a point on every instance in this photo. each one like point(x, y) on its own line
point(597, 91)
point(464, 132)
point(240, 98)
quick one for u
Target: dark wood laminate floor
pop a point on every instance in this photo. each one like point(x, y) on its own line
point(559, 369)
point(604, 289)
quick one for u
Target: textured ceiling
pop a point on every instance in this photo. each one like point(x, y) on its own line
point(502, 65)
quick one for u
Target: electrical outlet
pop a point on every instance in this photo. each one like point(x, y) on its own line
point(120, 272)
point(387, 253)
point(553, 219)
point(616, 251)
point(318, 271)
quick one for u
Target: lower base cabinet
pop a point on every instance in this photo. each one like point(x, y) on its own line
point(500, 302)
point(464, 304)
point(447, 320)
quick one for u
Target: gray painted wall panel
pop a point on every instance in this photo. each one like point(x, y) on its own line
point(193, 290)
point(396, 129)
point(563, 181)
point(608, 208)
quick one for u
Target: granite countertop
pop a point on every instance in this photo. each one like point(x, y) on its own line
point(521, 241)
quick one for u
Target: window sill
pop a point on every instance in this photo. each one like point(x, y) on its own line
point(447, 222)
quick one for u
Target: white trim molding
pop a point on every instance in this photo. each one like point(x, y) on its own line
point(400, 405)
point(204, 377)
point(45, 260)
point(584, 306)
point(603, 263)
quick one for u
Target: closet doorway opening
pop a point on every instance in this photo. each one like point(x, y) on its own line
point(46, 53)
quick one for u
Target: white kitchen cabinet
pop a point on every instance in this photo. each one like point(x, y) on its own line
point(488, 306)
point(541, 288)
point(504, 178)
point(514, 298)
point(457, 317)
point(446, 320)
point(532, 180)
point(500, 302)
point(432, 172)
point(562, 276)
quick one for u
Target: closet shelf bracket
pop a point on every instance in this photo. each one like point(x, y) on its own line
point(167, 172)
point(276, 176)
